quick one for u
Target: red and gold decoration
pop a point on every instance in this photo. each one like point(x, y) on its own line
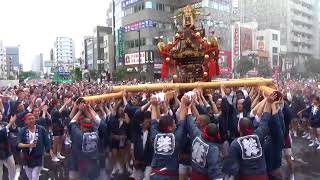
point(191, 57)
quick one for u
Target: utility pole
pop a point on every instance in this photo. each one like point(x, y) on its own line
point(114, 37)
point(139, 51)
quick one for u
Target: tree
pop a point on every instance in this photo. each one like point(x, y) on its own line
point(28, 74)
point(244, 65)
point(76, 74)
point(93, 74)
point(264, 69)
point(121, 73)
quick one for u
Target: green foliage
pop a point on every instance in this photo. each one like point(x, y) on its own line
point(93, 74)
point(121, 73)
point(30, 74)
point(264, 69)
point(11, 77)
point(76, 74)
point(244, 65)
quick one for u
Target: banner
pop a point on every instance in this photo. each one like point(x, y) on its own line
point(126, 3)
point(120, 46)
point(139, 25)
point(133, 59)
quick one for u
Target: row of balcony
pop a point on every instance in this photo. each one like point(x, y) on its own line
point(302, 19)
point(303, 9)
point(302, 29)
point(302, 40)
point(303, 50)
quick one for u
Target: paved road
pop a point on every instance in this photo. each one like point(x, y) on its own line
point(307, 164)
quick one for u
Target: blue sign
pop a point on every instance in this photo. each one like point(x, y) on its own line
point(139, 25)
point(126, 3)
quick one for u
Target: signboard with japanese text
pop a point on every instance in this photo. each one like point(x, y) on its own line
point(139, 25)
point(120, 45)
point(127, 3)
point(133, 59)
point(236, 42)
point(246, 39)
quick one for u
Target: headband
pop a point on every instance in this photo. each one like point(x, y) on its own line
point(210, 138)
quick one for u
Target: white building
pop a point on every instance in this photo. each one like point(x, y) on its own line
point(268, 40)
point(3, 74)
point(37, 63)
point(64, 52)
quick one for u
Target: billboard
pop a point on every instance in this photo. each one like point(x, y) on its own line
point(133, 59)
point(126, 3)
point(139, 25)
point(236, 41)
point(246, 39)
point(120, 46)
point(225, 63)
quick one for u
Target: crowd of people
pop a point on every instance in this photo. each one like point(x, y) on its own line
point(225, 133)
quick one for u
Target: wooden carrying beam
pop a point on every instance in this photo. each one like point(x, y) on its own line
point(268, 91)
point(117, 90)
point(190, 86)
point(103, 97)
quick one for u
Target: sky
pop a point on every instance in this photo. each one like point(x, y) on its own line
point(34, 24)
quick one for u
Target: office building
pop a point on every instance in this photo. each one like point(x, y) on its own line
point(37, 64)
point(12, 53)
point(296, 20)
point(154, 18)
point(88, 52)
point(3, 74)
point(64, 52)
point(99, 45)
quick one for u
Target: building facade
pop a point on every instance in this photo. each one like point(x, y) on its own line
point(88, 45)
point(13, 54)
point(64, 52)
point(3, 67)
point(149, 19)
point(295, 19)
point(99, 46)
point(38, 64)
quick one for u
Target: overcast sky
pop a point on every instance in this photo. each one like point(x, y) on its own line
point(34, 24)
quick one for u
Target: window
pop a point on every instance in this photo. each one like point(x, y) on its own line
point(132, 44)
point(138, 7)
point(275, 37)
point(260, 38)
point(274, 50)
point(143, 41)
point(275, 60)
point(148, 4)
point(160, 7)
point(136, 43)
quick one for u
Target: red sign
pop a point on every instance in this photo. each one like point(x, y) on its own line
point(236, 48)
point(261, 45)
point(245, 39)
point(225, 63)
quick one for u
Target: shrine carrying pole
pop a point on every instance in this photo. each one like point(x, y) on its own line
point(117, 91)
point(190, 86)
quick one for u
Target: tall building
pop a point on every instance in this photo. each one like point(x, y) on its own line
point(3, 74)
point(144, 21)
point(51, 55)
point(154, 18)
point(296, 20)
point(88, 45)
point(215, 18)
point(64, 52)
point(37, 63)
point(13, 54)
point(99, 45)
